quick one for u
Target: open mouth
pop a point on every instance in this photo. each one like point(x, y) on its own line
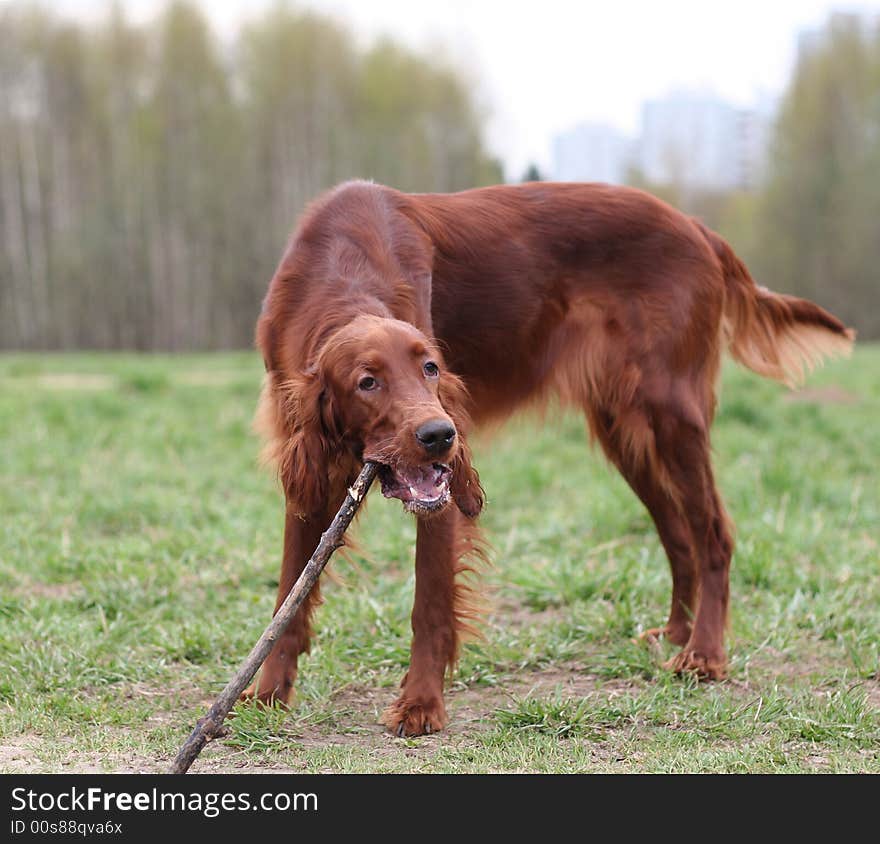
point(422, 489)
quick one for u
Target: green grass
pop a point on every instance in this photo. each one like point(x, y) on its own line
point(139, 551)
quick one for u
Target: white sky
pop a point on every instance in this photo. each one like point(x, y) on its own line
point(541, 67)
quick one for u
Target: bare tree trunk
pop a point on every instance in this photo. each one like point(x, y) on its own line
point(14, 238)
point(35, 233)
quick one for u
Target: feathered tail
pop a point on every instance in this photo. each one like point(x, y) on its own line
point(778, 336)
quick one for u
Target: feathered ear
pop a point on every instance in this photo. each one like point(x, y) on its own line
point(467, 493)
point(310, 442)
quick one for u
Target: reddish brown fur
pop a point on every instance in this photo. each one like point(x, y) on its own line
point(603, 296)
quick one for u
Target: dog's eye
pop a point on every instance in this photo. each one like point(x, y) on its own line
point(367, 383)
point(431, 369)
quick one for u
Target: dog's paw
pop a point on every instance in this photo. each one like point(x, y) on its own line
point(409, 718)
point(267, 696)
point(693, 661)
point(677, 635)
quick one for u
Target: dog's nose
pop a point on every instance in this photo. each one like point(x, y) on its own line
point(436, 436)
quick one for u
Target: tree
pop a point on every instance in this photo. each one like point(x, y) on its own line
point(149, 176)
point(298, 75)
point(818, 221)
point(532, 173)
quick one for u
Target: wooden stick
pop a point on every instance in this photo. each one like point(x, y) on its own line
point(208, 727)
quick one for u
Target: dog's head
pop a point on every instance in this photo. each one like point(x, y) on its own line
point(378, 390)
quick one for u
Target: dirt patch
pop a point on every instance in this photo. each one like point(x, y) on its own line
point(207, 377)
point(74, 381)
point(350, 719)
point(357, 710)
point(51, 591)
point(514, 615)
point(105, 381)
point(17, 754)
point(872, 689)
point(831, 394)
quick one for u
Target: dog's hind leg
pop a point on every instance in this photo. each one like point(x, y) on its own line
point(662, 449)
point(661, 501)
point(611, 391)
point(685, 448)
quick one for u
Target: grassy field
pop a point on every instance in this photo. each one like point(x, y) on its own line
point(139, 551)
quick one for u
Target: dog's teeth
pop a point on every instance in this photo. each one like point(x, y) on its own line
point(413, 491)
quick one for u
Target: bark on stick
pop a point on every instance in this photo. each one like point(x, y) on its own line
point(208, 727)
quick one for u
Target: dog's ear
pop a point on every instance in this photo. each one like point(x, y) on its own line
point(312, 441)
point(467, 493)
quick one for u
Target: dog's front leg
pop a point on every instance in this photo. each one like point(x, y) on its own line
point(275, 682)
point(419, 709)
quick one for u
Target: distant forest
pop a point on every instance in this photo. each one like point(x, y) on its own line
point(151, 174)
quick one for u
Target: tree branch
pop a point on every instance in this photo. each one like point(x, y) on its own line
point(208, 727)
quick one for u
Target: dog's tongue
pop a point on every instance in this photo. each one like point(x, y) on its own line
point(416, 483)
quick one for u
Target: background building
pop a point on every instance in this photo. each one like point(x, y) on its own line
point(695, 141)
point(592, 152)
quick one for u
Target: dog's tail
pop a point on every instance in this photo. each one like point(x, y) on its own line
point(775, 335)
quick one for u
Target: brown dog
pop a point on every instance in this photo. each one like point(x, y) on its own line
point(395, 319)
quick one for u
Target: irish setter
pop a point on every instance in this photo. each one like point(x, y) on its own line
point(396, 321)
